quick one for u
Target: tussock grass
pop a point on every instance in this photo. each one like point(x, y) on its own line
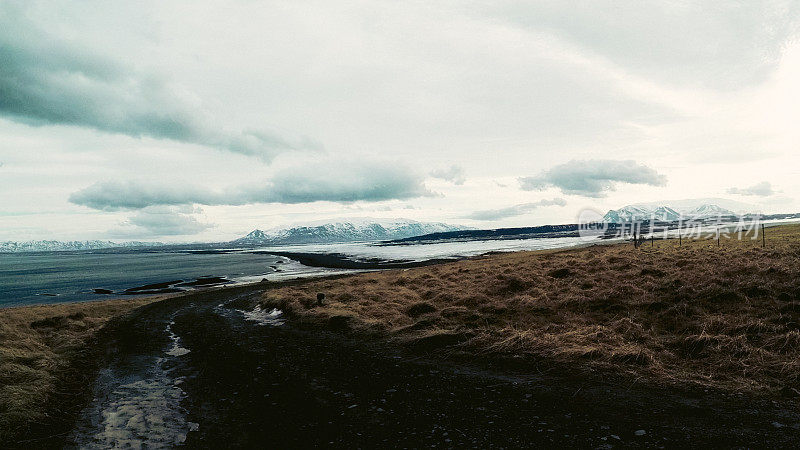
point(724, 317)
point(38, 345)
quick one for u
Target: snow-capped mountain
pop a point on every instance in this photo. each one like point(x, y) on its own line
point(709, 211)
point(627, 214)
point(344, 232)
point(664, 213)
point(59, 246)
point(254, 237)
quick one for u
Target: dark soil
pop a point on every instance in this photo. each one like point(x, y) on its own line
point(254, 386)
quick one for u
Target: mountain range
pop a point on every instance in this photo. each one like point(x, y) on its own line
point(358, 231)
point(60, 246)
point(366, 230)
point(663, 213)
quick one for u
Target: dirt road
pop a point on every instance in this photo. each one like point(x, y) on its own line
point(200, 372)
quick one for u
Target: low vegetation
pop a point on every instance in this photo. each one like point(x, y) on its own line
point(40, 352)
point(721, 315)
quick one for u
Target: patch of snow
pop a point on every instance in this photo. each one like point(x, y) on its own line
point(273, 317)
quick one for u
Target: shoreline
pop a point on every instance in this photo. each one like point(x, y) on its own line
point(314, 260)
point(341, 261)
point(458, 324)
point(333, 261)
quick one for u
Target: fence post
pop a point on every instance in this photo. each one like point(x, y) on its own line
point(763, 237)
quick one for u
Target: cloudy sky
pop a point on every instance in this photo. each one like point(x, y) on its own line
point(193, 121)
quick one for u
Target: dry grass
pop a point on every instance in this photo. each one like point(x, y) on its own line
point(726, 317)
point(37, 346)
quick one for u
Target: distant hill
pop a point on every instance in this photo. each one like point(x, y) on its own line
point(542, 231)
point(710, 211)
point(59, 246)
point(664, 213)
point(344, 232)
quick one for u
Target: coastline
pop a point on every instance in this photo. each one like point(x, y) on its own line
point(341, 261)
point(460, 322)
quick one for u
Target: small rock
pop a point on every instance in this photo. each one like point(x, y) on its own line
point(777, 425)
point(640, 432)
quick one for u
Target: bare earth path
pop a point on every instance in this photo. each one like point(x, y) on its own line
point(195, 371)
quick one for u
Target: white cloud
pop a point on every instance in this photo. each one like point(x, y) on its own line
point(162, 221)
point(719, 45)
point(453, 174)
point(516, 210)
point(332, 182)
point(593, 178)
point(762, 189)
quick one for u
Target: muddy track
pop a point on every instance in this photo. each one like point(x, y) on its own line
point(194, 371)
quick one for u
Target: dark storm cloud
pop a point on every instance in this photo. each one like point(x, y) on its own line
point(350, 183)
point(46, 81)
point(513, 211)
point(593, 178)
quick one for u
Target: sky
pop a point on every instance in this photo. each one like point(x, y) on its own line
point(201, 121)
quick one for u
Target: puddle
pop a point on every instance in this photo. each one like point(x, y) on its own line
point(137, 413)
point(176, 349)
point(136, 405)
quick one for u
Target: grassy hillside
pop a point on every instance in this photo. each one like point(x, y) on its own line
point(41, 352)
point(725, 317)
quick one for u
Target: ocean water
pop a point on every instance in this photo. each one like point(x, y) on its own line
point(72, 276)
point(31, 278)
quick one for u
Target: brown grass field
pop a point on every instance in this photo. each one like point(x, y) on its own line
point(724, 317)
point(38, 348)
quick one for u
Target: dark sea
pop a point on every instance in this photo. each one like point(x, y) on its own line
point(30, 278)
point(54, 277)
